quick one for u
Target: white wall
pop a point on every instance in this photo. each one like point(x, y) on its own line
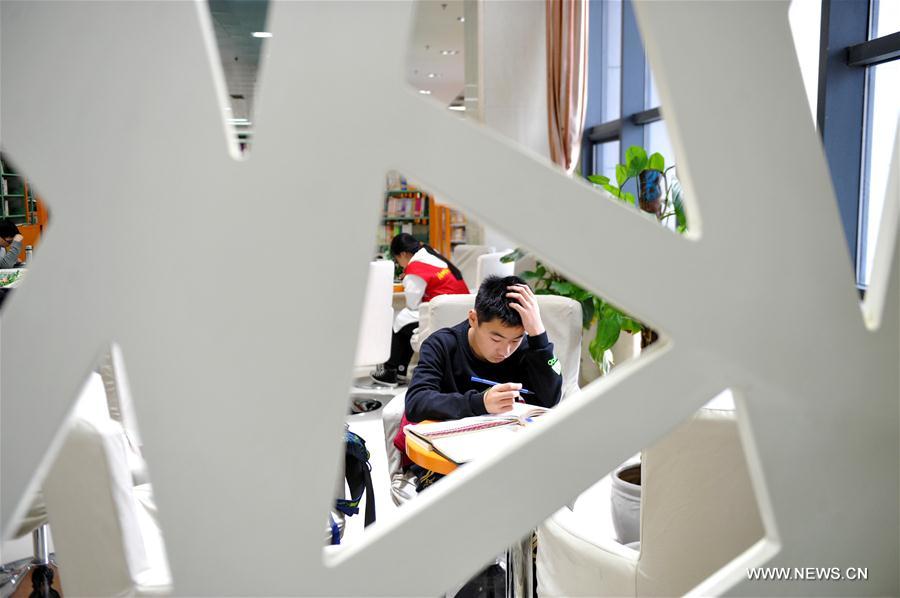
point(514, 80)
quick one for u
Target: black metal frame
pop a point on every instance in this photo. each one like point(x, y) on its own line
point(876, 51)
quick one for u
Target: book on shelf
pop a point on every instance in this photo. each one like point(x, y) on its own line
point(464, 440)
point(406, 207)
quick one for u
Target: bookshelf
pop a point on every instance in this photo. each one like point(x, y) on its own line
point(20, 204)
point(408, 209)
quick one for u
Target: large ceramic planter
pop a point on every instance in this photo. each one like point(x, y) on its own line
point(626, 502)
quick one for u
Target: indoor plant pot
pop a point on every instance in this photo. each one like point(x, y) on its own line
point(625, 498)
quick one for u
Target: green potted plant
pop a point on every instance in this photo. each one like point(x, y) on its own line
point(655, 194)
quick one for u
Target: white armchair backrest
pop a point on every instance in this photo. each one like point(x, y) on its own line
point(90, 501)
point(374, 344)
point(489, 264)
point(561, 316)
point(465, 257)
point(698, 508)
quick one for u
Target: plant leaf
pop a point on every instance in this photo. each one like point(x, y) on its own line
point(540, 270)
point(678, 204)
point(608, 329)
point(528, 274)
point(657, 162)
point(621, 174)
point(587, 312)
point(635, 160)
point(596, 352)
point(613, 190)
point(629, 198)
point(581, 294)
point(598, 179)
point(514, 255)
point(631, 325)
point(566, 289)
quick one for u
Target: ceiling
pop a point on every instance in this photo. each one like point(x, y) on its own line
point(437, 28)
point(437, 33)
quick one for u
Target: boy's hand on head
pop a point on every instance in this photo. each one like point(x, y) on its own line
point(500, 398)
point(524, 301)
point(18, 238)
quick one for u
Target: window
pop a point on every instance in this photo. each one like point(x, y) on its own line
point(883, 112)
point(857, 114)
point(611, 58)
point(885, 18)
point(606, 156)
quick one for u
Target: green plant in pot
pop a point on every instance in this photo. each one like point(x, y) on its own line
point(655, 194)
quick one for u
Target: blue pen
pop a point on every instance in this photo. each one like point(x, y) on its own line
point(492, 383)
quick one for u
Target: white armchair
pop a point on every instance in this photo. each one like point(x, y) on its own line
point(375, 329)
point(465, 257)
point(698, 512)
point(562, 319)
point(374, 345)
point(103, 525)
point(489, 264)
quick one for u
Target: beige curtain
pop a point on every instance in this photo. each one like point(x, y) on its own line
point(567, 46)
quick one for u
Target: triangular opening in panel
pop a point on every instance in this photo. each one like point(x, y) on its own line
point(96, 505)
point(430, 260)
point(663, 521)
point(23, 222)
point(241, 33)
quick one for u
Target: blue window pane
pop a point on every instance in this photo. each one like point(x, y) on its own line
point(656, 139)
point(612, 60)
point(606, 156)
point(885, 18)
point(884, 81)
point(805, 18)
point(651, 93)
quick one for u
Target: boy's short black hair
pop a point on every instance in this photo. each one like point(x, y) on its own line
point(8, 229)
point(491, 301)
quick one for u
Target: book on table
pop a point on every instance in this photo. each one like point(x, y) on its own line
point(464, 440)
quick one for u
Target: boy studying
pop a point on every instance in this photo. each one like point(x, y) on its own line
point(503, 339)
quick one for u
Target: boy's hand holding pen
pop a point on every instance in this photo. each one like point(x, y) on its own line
point(500, 397)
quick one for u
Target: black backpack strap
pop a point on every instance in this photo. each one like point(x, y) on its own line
point(370, 495)
point(359, 478)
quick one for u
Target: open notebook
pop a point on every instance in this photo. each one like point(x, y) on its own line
point(463, 440)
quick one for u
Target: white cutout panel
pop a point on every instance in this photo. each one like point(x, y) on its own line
point(209, 274)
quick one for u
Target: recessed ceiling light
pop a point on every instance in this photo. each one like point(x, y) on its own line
point(432, 75)
point(449, 52)
point(457, 108)
point(461, 19)
point(261, 34)
point(425, 92)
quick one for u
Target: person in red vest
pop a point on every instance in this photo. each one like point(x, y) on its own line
point(426, 274)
